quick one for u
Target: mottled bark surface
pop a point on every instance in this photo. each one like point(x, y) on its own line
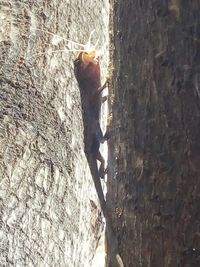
point(49, 212)
point(153, 185)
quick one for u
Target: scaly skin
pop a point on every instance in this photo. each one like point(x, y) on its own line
point(88, 77)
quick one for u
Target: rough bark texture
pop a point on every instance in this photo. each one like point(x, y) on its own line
point(48, 215)
point(153, 185)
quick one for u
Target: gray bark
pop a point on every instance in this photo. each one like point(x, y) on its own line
point(47, 196)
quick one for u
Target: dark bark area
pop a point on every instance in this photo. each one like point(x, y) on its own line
point(154, 161)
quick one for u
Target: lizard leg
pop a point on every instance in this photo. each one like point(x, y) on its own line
point(102, 170)
point(104, 98)
point(100, 89)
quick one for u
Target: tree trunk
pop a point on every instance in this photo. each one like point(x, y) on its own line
point(154, 161)
point(49, 211)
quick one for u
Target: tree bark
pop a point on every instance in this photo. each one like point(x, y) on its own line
point(154, 161)
point(47, 196)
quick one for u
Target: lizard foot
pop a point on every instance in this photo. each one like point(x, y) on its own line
point(102, 171)
point(107, 135)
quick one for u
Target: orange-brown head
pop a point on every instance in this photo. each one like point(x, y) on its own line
point(89, 57)
point(87, 66)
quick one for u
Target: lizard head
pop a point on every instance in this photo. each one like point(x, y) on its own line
point(89, 54)
point(86, 64)
point(89, 57)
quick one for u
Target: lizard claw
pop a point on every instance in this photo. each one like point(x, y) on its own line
point(107, 136)
point(102, 171)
